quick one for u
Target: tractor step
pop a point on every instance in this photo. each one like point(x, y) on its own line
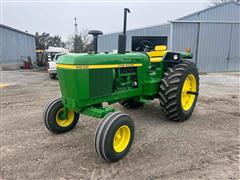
point(98, 112)
point(145, 101)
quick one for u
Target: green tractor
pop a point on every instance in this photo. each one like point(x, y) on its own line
point(129, 78)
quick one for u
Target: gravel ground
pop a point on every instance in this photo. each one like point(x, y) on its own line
point(204, 147)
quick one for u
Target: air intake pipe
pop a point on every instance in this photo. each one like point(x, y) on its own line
point(122, 38)
point(95, 34)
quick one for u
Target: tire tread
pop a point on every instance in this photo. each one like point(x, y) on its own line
point(169, 91)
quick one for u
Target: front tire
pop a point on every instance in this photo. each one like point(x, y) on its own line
point(179, 91)
point(53, 117)
point(114, 136)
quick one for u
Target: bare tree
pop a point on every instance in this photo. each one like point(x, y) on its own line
point(80, 43)
point(217, 2)
point(85, 37)
point(69, 44)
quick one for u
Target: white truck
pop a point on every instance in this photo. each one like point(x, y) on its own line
point(52, 69)
point(53, 54)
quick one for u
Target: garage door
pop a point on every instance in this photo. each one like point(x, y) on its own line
point(214, 48)
point(234, 53)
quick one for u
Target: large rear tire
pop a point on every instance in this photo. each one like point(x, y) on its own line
point(179, 91)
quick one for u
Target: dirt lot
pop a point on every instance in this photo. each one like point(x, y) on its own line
point(204, 147)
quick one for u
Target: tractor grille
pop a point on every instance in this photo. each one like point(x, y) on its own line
point(100, 82)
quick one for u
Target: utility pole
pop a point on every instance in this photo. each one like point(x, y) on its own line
point(76, 44)
point(76, 27)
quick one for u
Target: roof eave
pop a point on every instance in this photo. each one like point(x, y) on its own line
point(16, 30)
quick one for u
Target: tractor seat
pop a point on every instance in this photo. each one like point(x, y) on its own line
point(157, 54)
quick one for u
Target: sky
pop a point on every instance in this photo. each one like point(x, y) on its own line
point(57, 17)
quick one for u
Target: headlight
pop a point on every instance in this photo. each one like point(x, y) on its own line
point(175, 57)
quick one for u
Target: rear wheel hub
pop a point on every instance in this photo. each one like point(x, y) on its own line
point(189, 85)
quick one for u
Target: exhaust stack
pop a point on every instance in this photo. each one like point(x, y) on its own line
point(122, 38)
point(95, 34)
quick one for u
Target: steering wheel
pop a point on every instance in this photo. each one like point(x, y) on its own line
point(147, 45)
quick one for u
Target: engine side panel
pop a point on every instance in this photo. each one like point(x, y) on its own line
point(100, 82)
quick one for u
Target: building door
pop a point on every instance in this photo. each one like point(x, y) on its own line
point(214, 49)
point(234, 50)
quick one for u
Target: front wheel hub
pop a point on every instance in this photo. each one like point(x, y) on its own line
point(64, 119)
point(121, 138)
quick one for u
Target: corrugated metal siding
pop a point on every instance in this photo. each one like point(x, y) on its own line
point(1, 46)
point(213, 47)
point(234, 61)
point(224, 12)
point(16, 46)
point(184, 35)
point(109, 42)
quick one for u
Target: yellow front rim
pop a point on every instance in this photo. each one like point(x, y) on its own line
point(121, 138)
point(64, 122)
point(189, 85)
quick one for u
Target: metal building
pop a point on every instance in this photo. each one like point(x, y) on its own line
point(15, 46)
point(212, 34)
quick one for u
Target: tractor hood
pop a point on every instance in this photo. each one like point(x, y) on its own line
point(89, 59)
point(85, 77)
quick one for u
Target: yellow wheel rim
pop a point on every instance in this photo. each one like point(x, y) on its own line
point(64, 122)
point(189, 85)
point(121, 138)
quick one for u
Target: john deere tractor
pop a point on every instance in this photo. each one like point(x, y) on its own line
point(129, 78)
